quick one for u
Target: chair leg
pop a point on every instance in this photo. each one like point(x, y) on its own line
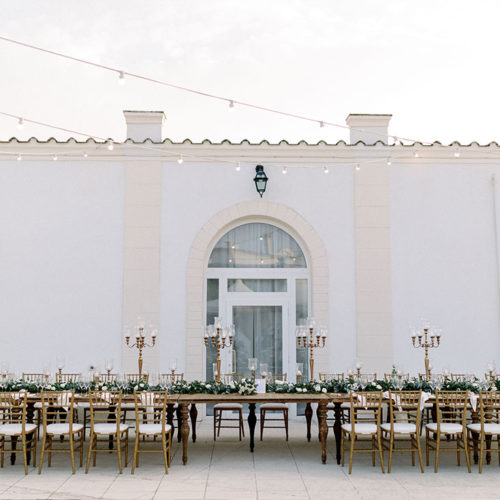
point(419, 448)
point(215, 424)
point(33, 448)
point(351, 454)
point(481, 450)
point(42, 452)
point(391, 444)
point(436, 458)
point(427, 437)
point(373, 450)
point(72, 451)
point(164, 447)
point(466, 450)
point(82, 438)
point(136, 453)
point(381, 451)
point(262, 419)
point(91, 441)
point(119, 450)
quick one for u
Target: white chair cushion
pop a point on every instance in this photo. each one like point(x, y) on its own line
point(16, 429)
point(128, 406)
point(63, 428)
point(83, 405)
point(152, 429)
point(488, 428)
point(274, 406)
point(38, 405)
point(428, 405)
point(228, 406)
point(361, 428)
point(108, 428)
point(447, 428)
point(400, 427)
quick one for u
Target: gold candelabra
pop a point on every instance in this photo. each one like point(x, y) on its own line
point(218, 336)
point(140, 341)
point(425, 340)
point(310, 339)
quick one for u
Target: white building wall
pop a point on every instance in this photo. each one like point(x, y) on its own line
point(61, 250)
point(444, 264)
point(193, 193)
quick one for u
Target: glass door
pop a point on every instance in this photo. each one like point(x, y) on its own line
point(260, 333)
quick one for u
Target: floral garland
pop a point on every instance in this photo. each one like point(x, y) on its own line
point(247, 387)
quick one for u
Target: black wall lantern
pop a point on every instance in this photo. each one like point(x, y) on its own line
point(260, 180)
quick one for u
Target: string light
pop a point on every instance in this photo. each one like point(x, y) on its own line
point(54, 157)
point(20, 124)
point(231, 105)
point(416, 155)
point(110, 146)
point(389, 162)
point(357, 167)
point(456, 154)
point(321, 124)
point(121, 78)
point(325, 170)
point(238, 167)
point(85, 155)
point(284, 170)
point(19, 157)
point(180, 160)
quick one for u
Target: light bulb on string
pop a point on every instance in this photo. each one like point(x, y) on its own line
point(20, 124)
point(389, 161)
point(416, 155)
point(121, 78)
point(456, 154)
point(19, 157)
point(54, 157)
point(238, 167)
point(110, 146)
point(325, 169)
point(231, 105)
point(321, 124)
point(357, 167)
point(180, 160)
point(284, 170)
point(85, 155)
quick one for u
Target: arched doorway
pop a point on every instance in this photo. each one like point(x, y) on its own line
point(257, 278)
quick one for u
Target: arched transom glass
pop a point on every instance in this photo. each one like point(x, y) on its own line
point(257, 245)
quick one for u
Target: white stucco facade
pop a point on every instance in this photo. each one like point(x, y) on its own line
point(89, 243)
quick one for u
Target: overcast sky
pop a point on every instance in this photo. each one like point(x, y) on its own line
point(432, 64)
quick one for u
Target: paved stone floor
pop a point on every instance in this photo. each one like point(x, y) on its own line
point(276, 470)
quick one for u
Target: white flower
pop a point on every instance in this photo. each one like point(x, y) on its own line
point(299, 389)
point(104, 388)
point(317, 388)
point(232, 385)
point(379, 387)
point(208, 386)
point(323, 390)
point(141, 384)
point(136, 387)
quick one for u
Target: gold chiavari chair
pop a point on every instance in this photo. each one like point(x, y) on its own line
point(64, 378)
point(105, 422)
point(488, 426)
point(331, 377)
point(388, 377)
point(451, 421)
point(101, 378)
point(438, 377)
point(57, 407)
point(274, 408)
point(151, 421)
point(170, 378)
point(13, 426)
point(404, 414)
point(37, 378)
point(220, 408)
point(130, 407)
point(365, 410)
point(462, 377)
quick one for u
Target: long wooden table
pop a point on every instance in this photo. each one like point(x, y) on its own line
point(186, 400)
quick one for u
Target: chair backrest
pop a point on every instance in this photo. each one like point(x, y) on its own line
point(366, 407)
point(402, 376)
point(439, 377)
point(134, 377)
point(170, 378)
point(13, 408)
point(228, 378)
point(150, 408)
point(105, 407)
point(273, 377)
point(63, 378)
point(364, 377)
point(451, 407)
point(462, 377)
point(489, 407)
point(58, 405)
point(328, 377)
point(405, 407)
point(40, 378)
point(106, 378)
point(7, 376)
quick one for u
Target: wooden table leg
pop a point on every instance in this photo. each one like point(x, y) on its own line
point(308, 413)
point(170, 415)
point(179, 423)
point(323, 428)
point(193, 413)
point(252, 420)
point(13, 440)
point(184, 409)
point(337, 429)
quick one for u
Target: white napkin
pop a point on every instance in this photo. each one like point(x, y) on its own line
point(473, 398)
